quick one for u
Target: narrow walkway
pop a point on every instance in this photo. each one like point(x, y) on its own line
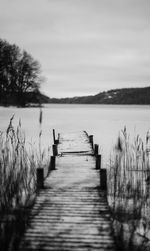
point(71, 213)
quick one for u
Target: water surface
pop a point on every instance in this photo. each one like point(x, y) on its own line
point(103, 121)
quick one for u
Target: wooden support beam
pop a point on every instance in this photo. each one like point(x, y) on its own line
point(98, 162)
point(40, 177)
point(58, 137)
point(103, 179)
point(55, 151)
point(52, 163)
point(54, 138)
point(91, 139)
point(56, 141)
point(96, 149)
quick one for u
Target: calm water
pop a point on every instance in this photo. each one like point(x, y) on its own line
point(103, 121)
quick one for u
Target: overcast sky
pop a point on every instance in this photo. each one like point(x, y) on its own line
point(83, 46)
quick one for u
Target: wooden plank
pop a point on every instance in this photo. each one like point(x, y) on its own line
point(71, 213)
point(74, 142)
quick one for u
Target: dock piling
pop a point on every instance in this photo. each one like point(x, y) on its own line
point(98, 161)
point(91, 139)
point(55, 151)
point(40, 177)
point(96, 149)
point(54, 138)
point(103, 179)
point(58, 137)
point(56, 141)
point(52, 163)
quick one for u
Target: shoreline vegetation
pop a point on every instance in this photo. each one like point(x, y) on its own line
point(20, 76)
point(18, 185)
point(129, 191)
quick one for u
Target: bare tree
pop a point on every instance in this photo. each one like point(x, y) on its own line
point(19, 73)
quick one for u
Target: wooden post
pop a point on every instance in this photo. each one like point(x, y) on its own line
point(40, 177)
point(56, 142)
point(55, 151)
point(54, 139)
point(52, 163)
point(58, 137)
point(98, 162)
point(91, 139)
point(96, 149)
point(103, 179)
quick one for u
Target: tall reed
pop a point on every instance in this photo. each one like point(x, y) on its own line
point(129, 188)
point(18, 163)
point(129, 170)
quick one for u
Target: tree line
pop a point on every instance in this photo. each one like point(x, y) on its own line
point(19, 74)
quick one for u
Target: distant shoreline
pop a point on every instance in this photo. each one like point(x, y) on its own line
point(45, 105)
point(126, 96)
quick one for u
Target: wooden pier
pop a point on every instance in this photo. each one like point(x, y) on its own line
point(71, 211)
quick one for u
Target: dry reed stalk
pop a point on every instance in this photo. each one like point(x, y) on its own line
point(129, 168)
point(18, 165)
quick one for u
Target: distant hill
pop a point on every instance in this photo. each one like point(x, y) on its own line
point(116, 96)
point(124, 96)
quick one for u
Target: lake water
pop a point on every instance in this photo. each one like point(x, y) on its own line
point(103, 121)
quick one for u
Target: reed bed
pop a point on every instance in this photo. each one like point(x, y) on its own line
point(18, 163)
point(129, 170)
point(129, 187)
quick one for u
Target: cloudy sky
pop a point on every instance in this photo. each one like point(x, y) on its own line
point(83, 46)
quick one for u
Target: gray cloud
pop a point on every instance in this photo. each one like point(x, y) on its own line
point(84, 46)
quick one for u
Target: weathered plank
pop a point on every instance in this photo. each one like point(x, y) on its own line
point(71, 213)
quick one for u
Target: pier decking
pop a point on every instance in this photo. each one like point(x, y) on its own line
point(71, 212)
